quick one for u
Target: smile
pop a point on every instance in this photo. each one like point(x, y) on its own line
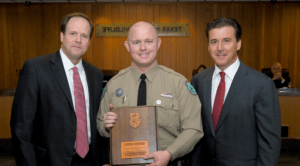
point(221, 55)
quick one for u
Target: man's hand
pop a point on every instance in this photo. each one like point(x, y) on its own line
point(277, 76)
point(280, 76)
point(110, 118)
point(161, 158)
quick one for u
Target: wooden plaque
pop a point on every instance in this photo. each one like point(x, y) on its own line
point(133, 136)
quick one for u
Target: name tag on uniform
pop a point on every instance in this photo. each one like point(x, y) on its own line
point(165, 94)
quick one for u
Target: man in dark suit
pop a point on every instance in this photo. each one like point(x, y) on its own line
point(240, 107)
point(277, 76)
point(53, 121)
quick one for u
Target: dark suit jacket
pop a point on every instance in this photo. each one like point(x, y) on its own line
point(278, 83)
point(43, 121)
point(248, 131)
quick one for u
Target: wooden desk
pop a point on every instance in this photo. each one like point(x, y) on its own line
point(290, 114)
point(5, 114)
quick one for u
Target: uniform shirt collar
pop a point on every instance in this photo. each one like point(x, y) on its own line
point(230, 71)
point(68, 65)
point(149, 74)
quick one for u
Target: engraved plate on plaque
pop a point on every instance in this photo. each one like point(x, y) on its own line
point(133, 136)
point(134, 149)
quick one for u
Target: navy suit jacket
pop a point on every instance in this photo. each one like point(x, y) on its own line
point(43, 121)
point(249, 127)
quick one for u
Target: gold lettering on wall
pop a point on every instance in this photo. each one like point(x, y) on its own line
point(163, 29)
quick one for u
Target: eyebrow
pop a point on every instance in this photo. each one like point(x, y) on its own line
point(141, 40)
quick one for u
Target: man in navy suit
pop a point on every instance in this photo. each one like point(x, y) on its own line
point(247, 130)
point(44, 120)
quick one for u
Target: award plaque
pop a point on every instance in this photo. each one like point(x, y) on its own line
point(133, 136)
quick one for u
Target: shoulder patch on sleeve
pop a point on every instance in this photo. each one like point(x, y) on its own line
point(190, 88)
point(103, 93)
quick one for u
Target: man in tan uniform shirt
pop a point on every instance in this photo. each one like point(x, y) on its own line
point(178, 107)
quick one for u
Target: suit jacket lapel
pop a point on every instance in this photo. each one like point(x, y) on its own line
point(60, 74)
point(207, 98)
point(238, 82)
point(90, 82)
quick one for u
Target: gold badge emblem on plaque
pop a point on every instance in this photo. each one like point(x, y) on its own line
point(135, 120)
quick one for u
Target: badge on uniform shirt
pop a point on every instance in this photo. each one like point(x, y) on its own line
point(119, 92)
point(190, 88)
point(158, 102)
point(103, 93)
point(165, 94)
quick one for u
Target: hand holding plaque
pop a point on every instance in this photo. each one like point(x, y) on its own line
point(133, 135)
point(110, 118)
point(159, 157)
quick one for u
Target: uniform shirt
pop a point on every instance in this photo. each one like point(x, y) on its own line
point(230, 72)
point(68, 65)
point(179, 125)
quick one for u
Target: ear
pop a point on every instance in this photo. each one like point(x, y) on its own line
point(158, 43)
point(61, 37)
point(127, 45)
point(239, 45)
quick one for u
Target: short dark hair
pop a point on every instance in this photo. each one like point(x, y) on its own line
point(201, 66)
point(67, 18)
point(223, 22)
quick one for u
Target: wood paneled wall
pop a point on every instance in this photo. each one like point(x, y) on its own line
point(270, 33)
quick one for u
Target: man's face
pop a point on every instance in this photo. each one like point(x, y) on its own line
point(201, 69)
point(276, 68)
point(223, 46)
point(76, 39)
point(143, 44)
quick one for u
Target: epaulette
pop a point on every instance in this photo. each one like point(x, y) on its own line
point(121, 73)
point(171, 71)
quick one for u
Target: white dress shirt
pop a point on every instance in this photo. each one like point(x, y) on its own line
point(230, 72)
point(68, 65)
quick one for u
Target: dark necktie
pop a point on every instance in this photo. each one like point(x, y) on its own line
point(219, 99)
point(82, 144)
point(142, 91)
